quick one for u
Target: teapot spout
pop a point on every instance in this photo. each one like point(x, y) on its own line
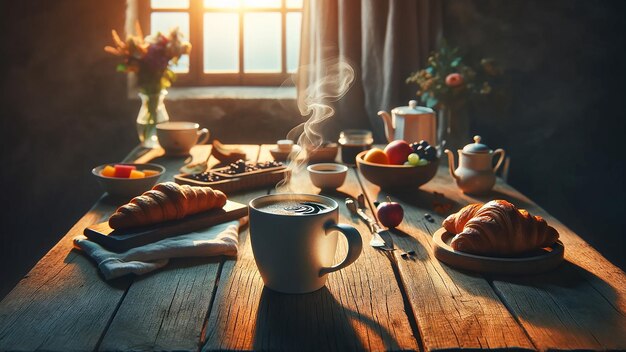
point(390, 129)
point(451, 164)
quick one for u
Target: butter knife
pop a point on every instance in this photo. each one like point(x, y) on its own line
point(377, 231)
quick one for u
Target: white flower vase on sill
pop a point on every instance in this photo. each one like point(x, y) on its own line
point(151, 113)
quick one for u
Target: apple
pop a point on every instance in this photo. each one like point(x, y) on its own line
point(389, 213)
point(398, 152)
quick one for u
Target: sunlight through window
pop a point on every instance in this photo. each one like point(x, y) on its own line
point(235, 42)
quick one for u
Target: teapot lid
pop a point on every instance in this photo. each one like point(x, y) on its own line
point(476, 147)
point(412, 109)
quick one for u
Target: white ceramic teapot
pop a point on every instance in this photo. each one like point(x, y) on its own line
point(475, 174)
point(410, 123)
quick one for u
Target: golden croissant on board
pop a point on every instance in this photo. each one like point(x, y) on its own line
point(498, 228)
point(166, 201)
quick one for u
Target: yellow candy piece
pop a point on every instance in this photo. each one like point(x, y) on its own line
point(136, 174)
point(108, 171)
point(149, 173)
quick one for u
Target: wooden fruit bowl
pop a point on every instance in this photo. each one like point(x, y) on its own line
point(396, 176)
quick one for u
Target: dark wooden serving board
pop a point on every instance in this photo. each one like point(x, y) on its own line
point(121, 240)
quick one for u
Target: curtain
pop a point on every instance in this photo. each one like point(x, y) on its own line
point(383, 42)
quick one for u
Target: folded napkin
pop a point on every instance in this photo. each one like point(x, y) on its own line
point(221, 239)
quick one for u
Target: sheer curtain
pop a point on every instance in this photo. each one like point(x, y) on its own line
point(383, 41)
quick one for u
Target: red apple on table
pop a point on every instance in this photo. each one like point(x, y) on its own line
point(389, 213)
point(398, 152)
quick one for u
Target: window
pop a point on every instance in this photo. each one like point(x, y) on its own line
point(235, 42)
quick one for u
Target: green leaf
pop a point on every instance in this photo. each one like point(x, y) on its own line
point(456, 62)
point(431, 102)
point(120, 68)
point(424, 97)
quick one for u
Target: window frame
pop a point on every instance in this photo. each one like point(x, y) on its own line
point(196, 75)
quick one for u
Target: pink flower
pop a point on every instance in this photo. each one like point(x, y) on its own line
point(454, 80)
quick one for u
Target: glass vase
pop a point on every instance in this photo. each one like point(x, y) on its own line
point(453, 128)
point(151, 113)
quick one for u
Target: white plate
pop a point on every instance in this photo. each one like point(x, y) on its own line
point(542, 260)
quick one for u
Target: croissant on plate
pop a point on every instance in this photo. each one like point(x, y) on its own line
point(498, 228)
point(166, 201)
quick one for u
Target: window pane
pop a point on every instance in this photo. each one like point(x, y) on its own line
point(163, 22)
point(294, 22)
point(262, 3)
point(221, 4)
point(294, 4)
point(221, 42)
point(169, 4)
point(262, 42)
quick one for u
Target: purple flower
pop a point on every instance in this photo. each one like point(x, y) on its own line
point(156, 58)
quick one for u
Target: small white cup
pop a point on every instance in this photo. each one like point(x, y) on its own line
point(285, 145)
point(178, 137)
point(327, 175)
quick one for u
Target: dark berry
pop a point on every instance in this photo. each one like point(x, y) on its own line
point(423, 143)
point(430, 153)
point(420, 151)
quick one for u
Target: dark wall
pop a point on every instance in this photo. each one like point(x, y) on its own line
point(564, 125)
point(63, 110)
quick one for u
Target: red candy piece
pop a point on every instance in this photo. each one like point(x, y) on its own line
point(123, 171)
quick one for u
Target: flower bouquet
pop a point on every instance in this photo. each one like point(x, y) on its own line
point(150, 59)
point(447, 85)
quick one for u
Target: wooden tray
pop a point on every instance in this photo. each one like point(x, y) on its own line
point(236, 184)
point(220, 172)
point(122, 240)
point(542, 260)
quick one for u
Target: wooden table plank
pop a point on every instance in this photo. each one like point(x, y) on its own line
point(361, 307)
point(173, 303)
point(580, 305)
point(453, 309)
point(62, 304)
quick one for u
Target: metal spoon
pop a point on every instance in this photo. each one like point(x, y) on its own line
point(197, 168)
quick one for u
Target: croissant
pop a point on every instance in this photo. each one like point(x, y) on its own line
point(166, 201)
point(498, 228)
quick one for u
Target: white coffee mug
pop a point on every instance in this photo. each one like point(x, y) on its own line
point(294, 249)
point(177, 137)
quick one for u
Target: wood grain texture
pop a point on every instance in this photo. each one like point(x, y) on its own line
point(453, 309)
point(579, 305)
point(62, 304)
point(166, 310)
point(360, 308)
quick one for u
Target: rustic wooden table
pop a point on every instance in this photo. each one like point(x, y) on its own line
point(382, 302)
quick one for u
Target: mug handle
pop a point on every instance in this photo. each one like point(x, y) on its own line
point(355, 246)
point(203, 136)
point(502, 154)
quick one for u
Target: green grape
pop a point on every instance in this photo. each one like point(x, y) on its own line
point(422, 162)
point(414, 159)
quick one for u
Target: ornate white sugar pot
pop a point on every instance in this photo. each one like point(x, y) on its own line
point(475, 174)
point(410, 123)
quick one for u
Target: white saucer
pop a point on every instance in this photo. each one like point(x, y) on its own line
point(542, 260)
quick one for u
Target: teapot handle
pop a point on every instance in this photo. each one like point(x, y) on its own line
point(502, 154)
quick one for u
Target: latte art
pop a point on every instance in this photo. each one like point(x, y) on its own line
point(306, 208)
point(295, 208)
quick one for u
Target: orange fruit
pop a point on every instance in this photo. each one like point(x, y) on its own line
point(376, 156)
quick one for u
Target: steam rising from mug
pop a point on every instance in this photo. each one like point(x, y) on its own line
point(315, 101)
